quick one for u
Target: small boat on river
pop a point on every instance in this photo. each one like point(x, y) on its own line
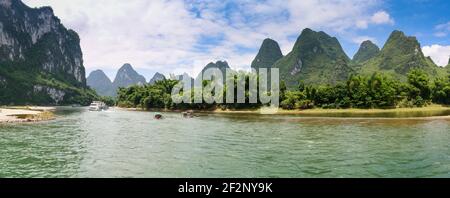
point(98, 106)
point(188, 114)
point(158, 116)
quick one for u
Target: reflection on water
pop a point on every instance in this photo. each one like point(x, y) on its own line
point(131, 144)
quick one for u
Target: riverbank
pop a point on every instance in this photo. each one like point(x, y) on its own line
point(429, 111)
point(25, 114)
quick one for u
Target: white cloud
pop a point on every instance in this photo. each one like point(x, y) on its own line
point(440, 54)
point(382, 17)
point(443, 27)
point(362, 24)
point(442, 30)
point(378, 18)
point(440, 34)
point(169, 35)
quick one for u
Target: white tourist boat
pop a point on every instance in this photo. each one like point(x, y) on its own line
point(98, 106)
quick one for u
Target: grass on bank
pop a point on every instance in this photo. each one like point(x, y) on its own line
point(431, 108)
point(428, 111)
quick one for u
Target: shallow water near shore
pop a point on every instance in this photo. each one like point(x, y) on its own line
point(119, 143)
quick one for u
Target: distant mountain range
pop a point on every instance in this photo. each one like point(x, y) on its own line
point(126, 76)
point(318, 58)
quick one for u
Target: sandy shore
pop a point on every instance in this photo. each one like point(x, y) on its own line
point(25, 114)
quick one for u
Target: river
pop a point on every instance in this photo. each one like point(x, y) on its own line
point(119, 143)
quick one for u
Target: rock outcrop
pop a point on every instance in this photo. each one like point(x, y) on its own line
point(41, 61)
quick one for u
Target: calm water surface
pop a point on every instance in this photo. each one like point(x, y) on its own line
point(131, 144)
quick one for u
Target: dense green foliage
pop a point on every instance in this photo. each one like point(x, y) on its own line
point(159, 96)
point(448, 66)
point(17, 87)
point(441, 89)
point(374, 91)
point(108, 100)
point(147, 96)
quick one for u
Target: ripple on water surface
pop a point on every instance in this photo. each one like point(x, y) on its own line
point(131, 144)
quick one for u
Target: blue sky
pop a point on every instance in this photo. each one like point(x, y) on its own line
point(419, 18)
point(176, 36)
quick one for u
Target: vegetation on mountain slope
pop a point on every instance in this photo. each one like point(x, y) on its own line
point(400, 55)
point(367, 50)
point(269, 53)
point(316, 58)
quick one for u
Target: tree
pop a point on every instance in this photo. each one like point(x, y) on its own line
point(441, 91)
point(420, 82)
point(375, 91)
point(292, 99)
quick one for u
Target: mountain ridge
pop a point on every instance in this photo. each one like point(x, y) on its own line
point(318, 58)
point(126, 76)
point(399, 55)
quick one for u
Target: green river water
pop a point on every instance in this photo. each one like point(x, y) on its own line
point(119, 143)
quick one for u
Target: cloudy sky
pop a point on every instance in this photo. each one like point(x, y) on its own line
point(175, 36)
